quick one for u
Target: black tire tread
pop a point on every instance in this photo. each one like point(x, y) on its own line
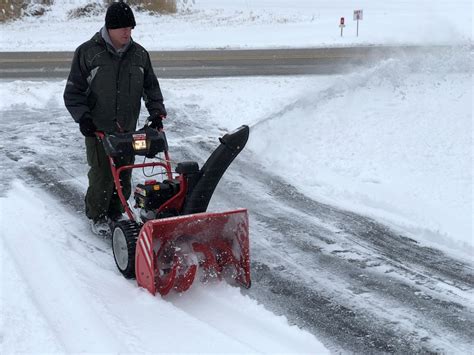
point(131, 231)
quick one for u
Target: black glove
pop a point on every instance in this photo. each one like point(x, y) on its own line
point(156, 121)
point(87, 127)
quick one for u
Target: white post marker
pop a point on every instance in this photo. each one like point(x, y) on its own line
point(358, 15)
point(341, 24)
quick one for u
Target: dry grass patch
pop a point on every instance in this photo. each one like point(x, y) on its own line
point(92, 9)
point(13, 9)
point(159, 6)
point(10, 9)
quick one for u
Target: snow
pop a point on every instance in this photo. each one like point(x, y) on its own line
point(393, 141)
point(384, 141)
point(256, 24)
point(61, 292)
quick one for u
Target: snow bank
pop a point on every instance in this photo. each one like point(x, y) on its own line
point(256, 24)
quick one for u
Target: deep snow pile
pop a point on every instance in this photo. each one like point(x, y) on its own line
point(256, 24)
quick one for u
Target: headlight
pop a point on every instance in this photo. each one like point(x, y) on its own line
point(139, 142)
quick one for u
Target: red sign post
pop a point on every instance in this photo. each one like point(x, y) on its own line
point(341, 24)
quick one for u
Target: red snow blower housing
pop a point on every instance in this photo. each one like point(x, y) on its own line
point(169, 238)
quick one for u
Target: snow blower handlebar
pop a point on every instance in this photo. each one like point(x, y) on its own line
point(147, 142)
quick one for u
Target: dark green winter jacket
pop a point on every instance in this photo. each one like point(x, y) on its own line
point(109, 87)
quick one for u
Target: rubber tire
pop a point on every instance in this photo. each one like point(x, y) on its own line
point(124, 236)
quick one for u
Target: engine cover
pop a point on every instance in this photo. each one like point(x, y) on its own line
point(151, 195)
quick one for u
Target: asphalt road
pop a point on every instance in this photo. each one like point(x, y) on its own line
point(219, 63)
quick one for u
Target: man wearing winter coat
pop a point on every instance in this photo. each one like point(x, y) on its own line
point(109, 75)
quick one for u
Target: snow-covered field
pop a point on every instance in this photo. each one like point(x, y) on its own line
point(257, 24)
point(393, 141)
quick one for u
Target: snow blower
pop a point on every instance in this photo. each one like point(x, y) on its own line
point(169, 239)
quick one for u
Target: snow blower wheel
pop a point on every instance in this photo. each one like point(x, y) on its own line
point(124, 240)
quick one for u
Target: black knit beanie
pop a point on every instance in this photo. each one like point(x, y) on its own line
point(119, 15)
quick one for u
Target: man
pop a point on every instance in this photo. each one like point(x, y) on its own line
point(109, 75)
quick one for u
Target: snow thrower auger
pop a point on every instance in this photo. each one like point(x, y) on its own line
point(170, 239)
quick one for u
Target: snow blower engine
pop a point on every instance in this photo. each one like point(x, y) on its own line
point(169, 239)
